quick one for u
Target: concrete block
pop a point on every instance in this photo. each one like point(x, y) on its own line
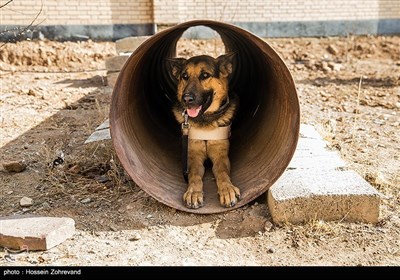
point(129, 44)
point(115, 63)
point(104, 125)
point(102, 132)
point(312, 152)
point(327, 160)
point(99, 136)
point(300, 196)
point(112, 78)
point(308, 131)
point(317, 185)
point(34, 233)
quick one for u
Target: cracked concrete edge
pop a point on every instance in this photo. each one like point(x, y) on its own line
point(360, 208)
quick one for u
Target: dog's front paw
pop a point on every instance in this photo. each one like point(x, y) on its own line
point(228, 195)
point(193, 199)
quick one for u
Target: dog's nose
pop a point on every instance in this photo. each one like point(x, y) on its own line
point(188, 98)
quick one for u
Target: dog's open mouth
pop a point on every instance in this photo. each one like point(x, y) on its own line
point(196, 111)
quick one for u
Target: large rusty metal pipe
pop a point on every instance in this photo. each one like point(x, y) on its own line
point(147, 139)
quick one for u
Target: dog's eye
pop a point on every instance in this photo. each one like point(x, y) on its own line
point(185, 76)
point(205, 75)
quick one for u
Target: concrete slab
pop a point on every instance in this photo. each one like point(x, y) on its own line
point(99, 136)
point(313, 160)
point(102, 132)
point(317, 185)
point(129, 44)
point(112, 78)
point(115, 63)
point(323, 195)
point(104, 125)
point(309, 132)
point(34, 233)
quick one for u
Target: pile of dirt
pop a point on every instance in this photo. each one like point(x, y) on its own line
point(52, 56)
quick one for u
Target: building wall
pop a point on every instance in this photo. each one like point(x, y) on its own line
point(175, 11)
point(69, 12)
point(114, 19)
point(73, 19)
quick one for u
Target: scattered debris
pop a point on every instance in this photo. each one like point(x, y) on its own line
point(26, 201)
point(381, 180)
point(75, 169)
point(268, 226)
point(136, 236)
point(113, 228)
point(86, 200)
point(9, 258)
point(58, 161)
point(14, 166)
point(332, 50)
point(271, 250)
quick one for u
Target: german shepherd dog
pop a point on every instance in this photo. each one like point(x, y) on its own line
point(203, 97)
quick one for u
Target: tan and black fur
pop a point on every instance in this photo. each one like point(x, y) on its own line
point(203, 91)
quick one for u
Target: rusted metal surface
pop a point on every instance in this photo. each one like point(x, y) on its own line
point(146, 136)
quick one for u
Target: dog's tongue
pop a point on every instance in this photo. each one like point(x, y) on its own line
point(193, 112)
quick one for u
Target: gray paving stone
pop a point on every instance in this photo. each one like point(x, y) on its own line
point(318, 185)
point(34, 233)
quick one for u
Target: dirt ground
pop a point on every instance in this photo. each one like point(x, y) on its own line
point(53, 96)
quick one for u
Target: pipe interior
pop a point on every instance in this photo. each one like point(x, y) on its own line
point(147, 137)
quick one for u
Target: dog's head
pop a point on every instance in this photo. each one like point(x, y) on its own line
point(202, 82)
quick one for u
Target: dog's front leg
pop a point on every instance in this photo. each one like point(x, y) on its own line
point(218, 153)
point(197, 154)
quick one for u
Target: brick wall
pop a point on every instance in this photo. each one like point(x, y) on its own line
point(113, 19)
point(175, 11)
point(64, 12)
point(74, 12)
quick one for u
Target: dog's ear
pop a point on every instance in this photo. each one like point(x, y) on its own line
point(225, 63)
point(175, 66)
